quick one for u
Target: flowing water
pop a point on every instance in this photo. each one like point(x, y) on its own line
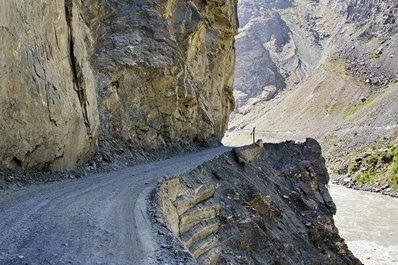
point(369, 224)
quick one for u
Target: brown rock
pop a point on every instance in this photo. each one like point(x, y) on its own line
point(164, 73)
point(48, 103)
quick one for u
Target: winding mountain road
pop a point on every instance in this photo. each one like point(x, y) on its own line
point(95, 220)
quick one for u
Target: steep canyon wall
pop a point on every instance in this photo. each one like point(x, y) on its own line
point(78, 76)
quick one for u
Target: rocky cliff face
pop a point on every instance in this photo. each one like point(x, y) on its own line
point(269, 57)
point(135, 75)
point(288, 40)
point(257, 205)
point(48, 102)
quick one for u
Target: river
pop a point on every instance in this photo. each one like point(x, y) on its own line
point(369, 224)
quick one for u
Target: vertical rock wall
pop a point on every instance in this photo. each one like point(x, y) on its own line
point(48, 106)
point(162, 72)
point(165, 69)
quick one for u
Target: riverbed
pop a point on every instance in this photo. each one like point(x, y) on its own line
point(369, 224)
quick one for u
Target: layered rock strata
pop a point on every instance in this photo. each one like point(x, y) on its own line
point(273, 208)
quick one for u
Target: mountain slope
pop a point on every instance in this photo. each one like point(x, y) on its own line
point(338, 61)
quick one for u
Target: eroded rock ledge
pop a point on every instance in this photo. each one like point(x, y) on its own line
point(273, 207)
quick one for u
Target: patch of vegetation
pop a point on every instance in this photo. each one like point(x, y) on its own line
point(373, 42)
point(358, 107)
point(393, 179)
point(380, 166)
point(366, 177)
point(338, 66)
point(331, 140)
point(374, 55)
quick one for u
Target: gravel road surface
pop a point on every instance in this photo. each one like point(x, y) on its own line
point(95, 220)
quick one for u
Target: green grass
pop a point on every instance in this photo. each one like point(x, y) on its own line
point(393, 179)
point(352, 110)
point(366, 177)
point(380, 166)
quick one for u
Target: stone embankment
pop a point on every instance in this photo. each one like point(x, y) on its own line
point(353, 184)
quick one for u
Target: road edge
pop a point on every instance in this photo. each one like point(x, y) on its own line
point(142, 220)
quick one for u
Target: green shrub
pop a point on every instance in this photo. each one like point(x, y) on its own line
point(353, 168)
point(350, 111)
point(366, 177)
point(394, 169)
point(381, 166)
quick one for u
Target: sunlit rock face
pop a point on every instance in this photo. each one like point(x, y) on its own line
point(143, 74)
point(48, 103)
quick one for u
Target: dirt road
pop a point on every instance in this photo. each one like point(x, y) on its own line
point(96, 220)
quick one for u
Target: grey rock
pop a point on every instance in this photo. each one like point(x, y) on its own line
point(262, 225)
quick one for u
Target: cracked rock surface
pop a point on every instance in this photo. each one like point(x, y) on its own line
point(48, 102)
point(274, 208)
point(78, 76)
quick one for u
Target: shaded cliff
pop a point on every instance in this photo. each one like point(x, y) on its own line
point(256, 205)
point(118, 76)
